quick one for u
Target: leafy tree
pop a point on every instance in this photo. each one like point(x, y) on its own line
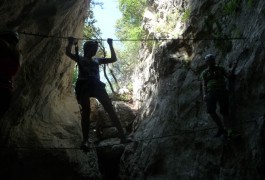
point(129, 28)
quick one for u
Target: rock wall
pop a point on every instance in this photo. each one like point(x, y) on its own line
point(40, 134)
point(174, 133)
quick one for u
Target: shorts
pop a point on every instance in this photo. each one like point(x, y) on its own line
point(92, 88)
point(218, 97)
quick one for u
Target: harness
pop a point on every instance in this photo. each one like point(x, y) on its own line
point(215, 79)
point(216, 73)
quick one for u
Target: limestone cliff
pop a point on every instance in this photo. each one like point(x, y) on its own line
point(40, 134)
point(176, 133)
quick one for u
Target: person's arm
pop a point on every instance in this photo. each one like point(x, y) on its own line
point(20, 59)
point(204, 86)
point(68, 51)
point(113, 57)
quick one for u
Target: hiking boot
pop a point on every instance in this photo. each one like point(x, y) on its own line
point(220, 132)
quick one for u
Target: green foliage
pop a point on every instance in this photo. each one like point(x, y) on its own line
point(172, 16)
point(129, 31)
point(128, 59)
point(231, 6)
point(186, 15)
point(224, 46)
point(129, 26)
point(75, 75)
point(132, 10)
point(235, 32)
point(123, 97)
point(167, 26)
point(250, 3)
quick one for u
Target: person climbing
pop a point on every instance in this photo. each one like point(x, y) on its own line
point(215, 91)
point(89, 85)
point(10, 62)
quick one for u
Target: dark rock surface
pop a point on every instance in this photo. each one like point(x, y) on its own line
point(40, 134)
point(177, 133)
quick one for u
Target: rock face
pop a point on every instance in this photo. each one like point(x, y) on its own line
point(176, 133)
point(40, 134)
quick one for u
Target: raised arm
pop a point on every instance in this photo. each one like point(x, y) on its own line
point(204, 85)
point(68, 51)
point(113, 57)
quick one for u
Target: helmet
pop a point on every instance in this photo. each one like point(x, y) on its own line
point(90, 48)
point(91, 44)
point(209, 57)
point(10, 36)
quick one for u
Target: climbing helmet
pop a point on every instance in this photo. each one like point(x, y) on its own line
point(209, 57)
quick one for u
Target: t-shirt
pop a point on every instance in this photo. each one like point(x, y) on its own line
point(88, 69)
point(215, 79)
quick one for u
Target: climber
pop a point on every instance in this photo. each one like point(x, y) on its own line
point(214, 90)
point(89, 85)
point(10, 62)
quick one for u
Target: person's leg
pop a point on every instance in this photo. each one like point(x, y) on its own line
point(211, 109)
point(216, 119)
point(224, 110)
point(219, 123)
point(85, 116)
point(104, 99)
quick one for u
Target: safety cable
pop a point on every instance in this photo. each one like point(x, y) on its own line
point(149, 39)
point(181, 131)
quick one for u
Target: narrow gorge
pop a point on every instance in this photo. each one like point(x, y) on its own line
point(173, 134)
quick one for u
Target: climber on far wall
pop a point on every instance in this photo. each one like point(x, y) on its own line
point(89, 85)
point(10, 62)
point(215, 91)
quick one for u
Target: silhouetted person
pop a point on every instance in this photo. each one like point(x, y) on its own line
point(10, 61)
point(89, 85)
point(215, 91)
